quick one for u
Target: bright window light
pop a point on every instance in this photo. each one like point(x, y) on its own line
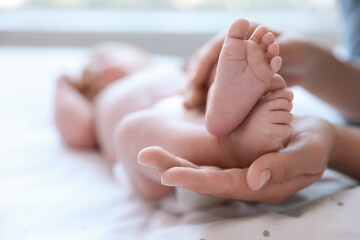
point(174, 4)
point(8, 4)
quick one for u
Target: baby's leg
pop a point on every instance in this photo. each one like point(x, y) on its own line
point(266, 129)
point(135, 92)
point(156, 128)
point(73, 115)
point(243, 74)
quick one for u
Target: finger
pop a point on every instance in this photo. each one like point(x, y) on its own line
point(232, 184)
point(206, 59)
point(161, 160)
point(276, 193)
point(207, 180)
point(194, 97)
point(291, 162)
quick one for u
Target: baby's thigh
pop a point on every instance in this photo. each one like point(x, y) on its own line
point(166, 124)
point(134, 93)
point(172, 107)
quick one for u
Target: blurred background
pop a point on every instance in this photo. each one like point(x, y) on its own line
point(173, 27)
point(41, 39)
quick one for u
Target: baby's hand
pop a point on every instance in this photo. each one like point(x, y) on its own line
point(107, 63)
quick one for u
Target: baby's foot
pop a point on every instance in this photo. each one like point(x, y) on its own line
point(243, 74)
point(266, 129)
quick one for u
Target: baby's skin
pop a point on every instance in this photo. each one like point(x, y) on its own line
point(126, 121)
point(266, 128)
point(243, 74)
point(109, 62)
point(75, 95)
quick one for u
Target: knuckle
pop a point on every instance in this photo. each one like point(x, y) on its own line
point(287, 171)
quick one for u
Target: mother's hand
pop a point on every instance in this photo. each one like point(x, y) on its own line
point(297, 166)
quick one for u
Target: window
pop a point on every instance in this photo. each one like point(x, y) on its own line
point(159, 26)
point(172, 4)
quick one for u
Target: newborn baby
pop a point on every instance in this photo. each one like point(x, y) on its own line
point(247, 115)
point(107, 63)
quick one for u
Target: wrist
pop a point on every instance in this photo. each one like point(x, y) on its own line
point(334, 157)
point(319, 61)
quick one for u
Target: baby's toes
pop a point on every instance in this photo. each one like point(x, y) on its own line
point(276, 83)
point(280, 93)
point(275, 64)
point(258, 34)
point(273, 50)
point(267, 39)
point(239, 29)
point(280, 104)
point(280, 117)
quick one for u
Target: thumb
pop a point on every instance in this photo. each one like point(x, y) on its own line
point(277, 167)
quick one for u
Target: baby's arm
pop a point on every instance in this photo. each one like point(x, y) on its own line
point(73, 115)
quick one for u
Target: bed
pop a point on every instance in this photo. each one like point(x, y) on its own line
point(48, 191)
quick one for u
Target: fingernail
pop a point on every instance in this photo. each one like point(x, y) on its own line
point(166, 183)
point(264, 178)
point(146, 164)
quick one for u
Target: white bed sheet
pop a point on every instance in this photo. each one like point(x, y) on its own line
point(48, 191)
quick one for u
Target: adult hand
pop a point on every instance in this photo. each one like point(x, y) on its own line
point(271, 178)
point(300, 59)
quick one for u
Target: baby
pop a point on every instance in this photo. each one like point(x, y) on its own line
point(75, 96)
point(247, 113)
